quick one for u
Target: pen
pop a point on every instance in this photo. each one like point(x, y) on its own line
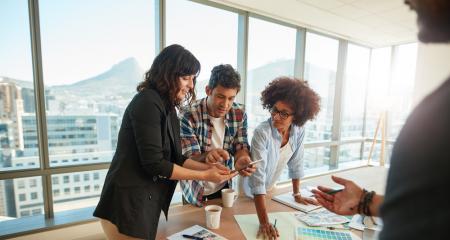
point(275, 224)
point(334, 228)
point(192, 237)
point(332, 192)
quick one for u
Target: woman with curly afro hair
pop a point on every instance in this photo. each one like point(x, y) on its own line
point(278, 142)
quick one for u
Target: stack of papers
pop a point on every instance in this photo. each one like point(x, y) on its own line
point(288, 199)
point(196, 232)
point(360, 222)
point(321, 217)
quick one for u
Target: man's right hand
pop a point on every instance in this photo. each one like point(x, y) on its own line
point(217, 156)
point(344, 202)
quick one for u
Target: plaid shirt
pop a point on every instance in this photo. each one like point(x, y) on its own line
point(196, 132)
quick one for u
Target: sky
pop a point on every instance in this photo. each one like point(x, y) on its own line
point(80, 38)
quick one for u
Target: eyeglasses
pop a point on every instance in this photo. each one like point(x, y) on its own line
point(283, 115)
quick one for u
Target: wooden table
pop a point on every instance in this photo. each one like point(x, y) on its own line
point(181, 217)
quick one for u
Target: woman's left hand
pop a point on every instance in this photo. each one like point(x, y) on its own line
point(306, 200)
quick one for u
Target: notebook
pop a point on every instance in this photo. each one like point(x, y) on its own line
point(288, 199)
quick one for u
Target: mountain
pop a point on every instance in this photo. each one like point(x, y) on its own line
point(21, 83)
point(122, 78)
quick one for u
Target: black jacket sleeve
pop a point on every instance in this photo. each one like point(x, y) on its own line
point(147, 120)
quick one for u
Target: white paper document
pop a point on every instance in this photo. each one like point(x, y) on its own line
point(196, 231)
point(321, 217)
point(359, 222)
point(289, 200)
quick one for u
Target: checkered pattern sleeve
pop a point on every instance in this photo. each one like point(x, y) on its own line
point(240, 141)
point(189, 142)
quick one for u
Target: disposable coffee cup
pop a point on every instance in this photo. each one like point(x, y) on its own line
point(212, 213)
point(228, 197)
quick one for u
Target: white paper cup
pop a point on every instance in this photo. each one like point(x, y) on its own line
point(228, 197)
point(212, 213)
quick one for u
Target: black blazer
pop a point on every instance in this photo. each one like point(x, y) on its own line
point(137, 186)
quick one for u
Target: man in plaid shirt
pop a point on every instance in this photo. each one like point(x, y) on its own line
point(214, 130)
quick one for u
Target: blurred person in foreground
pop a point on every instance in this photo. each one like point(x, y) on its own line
point(415, 204)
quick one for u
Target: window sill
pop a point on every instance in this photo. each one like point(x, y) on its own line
point(36, 224)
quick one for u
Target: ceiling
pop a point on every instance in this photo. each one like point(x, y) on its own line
point(375, 23)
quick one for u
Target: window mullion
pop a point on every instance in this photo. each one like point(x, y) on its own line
point(33, 8)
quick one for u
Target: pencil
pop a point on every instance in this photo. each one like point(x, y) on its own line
point(332, 192)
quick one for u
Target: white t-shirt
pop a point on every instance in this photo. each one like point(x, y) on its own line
point(218, 134)
point(285, 154)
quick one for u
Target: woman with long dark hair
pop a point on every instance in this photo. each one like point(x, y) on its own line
point(148, 161)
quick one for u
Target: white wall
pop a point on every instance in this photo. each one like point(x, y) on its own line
point(432, 69)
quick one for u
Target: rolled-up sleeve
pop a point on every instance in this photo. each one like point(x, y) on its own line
point(295, 164)
point(189, 142)
point(241, 139)
point(259, 151)
point(146, 120)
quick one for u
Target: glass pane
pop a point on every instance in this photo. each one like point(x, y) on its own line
point(377, 92)
point(402, 87)
point(354, 93)
point(316, 160)
point(321, 55)
point(376, 152)
point(350, 155)
point(91, 67)
point(17, 103)
point(21, 197)
point(77, 190)
point(268, 58)
point(209, 33)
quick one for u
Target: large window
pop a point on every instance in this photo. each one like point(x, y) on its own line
point(402, 86)
point(353, 102)
point(321, 56)
point(91, 68)
point(268, 58)
point(354, 92)
point(16, 88)
point(377, 94)
point(209, 33)
point(76, 193)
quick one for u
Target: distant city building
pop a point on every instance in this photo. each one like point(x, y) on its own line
point(11, 110)
point(72, 140)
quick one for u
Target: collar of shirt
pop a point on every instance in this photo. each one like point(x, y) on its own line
point(205, 115)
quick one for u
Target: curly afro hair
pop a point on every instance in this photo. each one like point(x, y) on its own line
point(297, 94)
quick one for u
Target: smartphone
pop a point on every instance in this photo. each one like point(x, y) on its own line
point(246, 166)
